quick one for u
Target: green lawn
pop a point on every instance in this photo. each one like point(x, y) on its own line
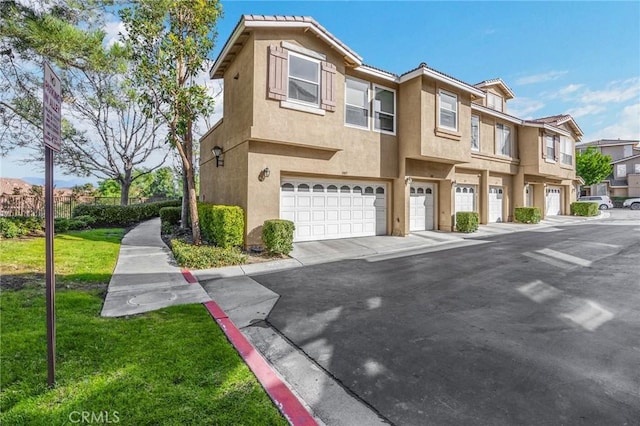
point(172, 366)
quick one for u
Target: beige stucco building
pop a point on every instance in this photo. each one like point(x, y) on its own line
point(312, 134)
point(624, 180)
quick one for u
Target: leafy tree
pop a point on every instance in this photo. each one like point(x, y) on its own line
point(169, 42)
point(109, 188)
point(105, 134)
point(592, 166)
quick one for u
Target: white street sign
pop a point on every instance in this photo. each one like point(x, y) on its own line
point(52, 104)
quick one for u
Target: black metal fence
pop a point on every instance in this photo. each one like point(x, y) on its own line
point(33, 205)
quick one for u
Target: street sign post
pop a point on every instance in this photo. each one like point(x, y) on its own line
point(51, 124)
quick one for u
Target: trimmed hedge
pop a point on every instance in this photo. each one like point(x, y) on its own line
point(528, 214)
point(122, 215)
point(222, 226)
point(467, 221)
point(277, 236)
point(584, 209)
point(169, 217)
point(201, 257)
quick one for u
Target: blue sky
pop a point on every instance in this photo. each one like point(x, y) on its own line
point(581, 58)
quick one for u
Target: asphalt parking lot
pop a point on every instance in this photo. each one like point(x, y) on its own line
point(527, 328)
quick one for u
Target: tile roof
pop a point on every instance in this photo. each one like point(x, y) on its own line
point(306, 19)
point(425, 66)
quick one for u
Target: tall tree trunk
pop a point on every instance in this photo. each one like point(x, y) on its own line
point(184, 215)
point(124, 193)
point(191, 185)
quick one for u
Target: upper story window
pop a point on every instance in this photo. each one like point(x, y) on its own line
point(448, 117)
point(621, 170)
point(494, 101)
point(356, 103)
point(636, 168)
point(628, 151)
point(503, 140)
point(301, 79)
point(384, 109)
point(304, 80)
point(550, 146)
point(566, 151)
point(475, 133)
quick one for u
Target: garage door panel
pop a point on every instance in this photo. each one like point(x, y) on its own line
point(421, 209)
point(323, 210)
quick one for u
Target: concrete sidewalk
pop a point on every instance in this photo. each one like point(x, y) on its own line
point(146, 277)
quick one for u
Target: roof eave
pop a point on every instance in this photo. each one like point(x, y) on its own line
point(428, 72)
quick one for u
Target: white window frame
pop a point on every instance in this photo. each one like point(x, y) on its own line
point(551, 155)
point(289, 77)
point(500, 130)
point(374, 109)
point(495, 102)
point(476, 146)
point(621, 171)
point(627, 151)
point(636, 168)
point(367, 104)
point(566, 151)
point(440, 108)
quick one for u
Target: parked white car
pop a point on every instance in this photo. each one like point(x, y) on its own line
point(632, 203)
point(604, 202)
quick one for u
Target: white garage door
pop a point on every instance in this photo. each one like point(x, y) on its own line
point(421, 207)
point(553, 201)
point(327, 210)
point(465, 198)
point(495, 204)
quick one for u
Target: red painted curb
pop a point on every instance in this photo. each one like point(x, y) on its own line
point(189, 276)
point(282, 397)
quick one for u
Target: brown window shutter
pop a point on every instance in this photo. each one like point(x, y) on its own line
point(556, 148)
point(328, 87)
point(544, 146)
point(278, 70)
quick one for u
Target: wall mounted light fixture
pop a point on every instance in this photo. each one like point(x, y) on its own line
point(264, 173)
point(217, 152)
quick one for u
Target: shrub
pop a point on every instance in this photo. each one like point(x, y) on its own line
point(584, 209)
point(277, 236)
point(61, 224)
point(528, 215)
point(18, 226)
point(170, 215)
point(467, 221)
point(222, 226)
point(122, 215)
point(201, 257)
point(8, 229)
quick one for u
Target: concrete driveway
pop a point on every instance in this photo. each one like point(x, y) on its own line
point(529, 328)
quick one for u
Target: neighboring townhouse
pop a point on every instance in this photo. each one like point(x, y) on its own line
point(343, 149)
point(624, 180)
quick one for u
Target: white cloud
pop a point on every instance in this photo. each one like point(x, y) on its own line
point(590, 109)
point(625, 125)
point(524, 107)
point(615, 91)
point(113, 29)
point(540, 78)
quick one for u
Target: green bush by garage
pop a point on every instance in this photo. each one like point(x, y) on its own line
point(222, 226)
point(528, 214)
point(467, 221)
point(584, 209)
point(277, 236)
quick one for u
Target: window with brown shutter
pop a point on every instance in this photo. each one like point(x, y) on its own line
point(278, 70)
point(556, 148)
